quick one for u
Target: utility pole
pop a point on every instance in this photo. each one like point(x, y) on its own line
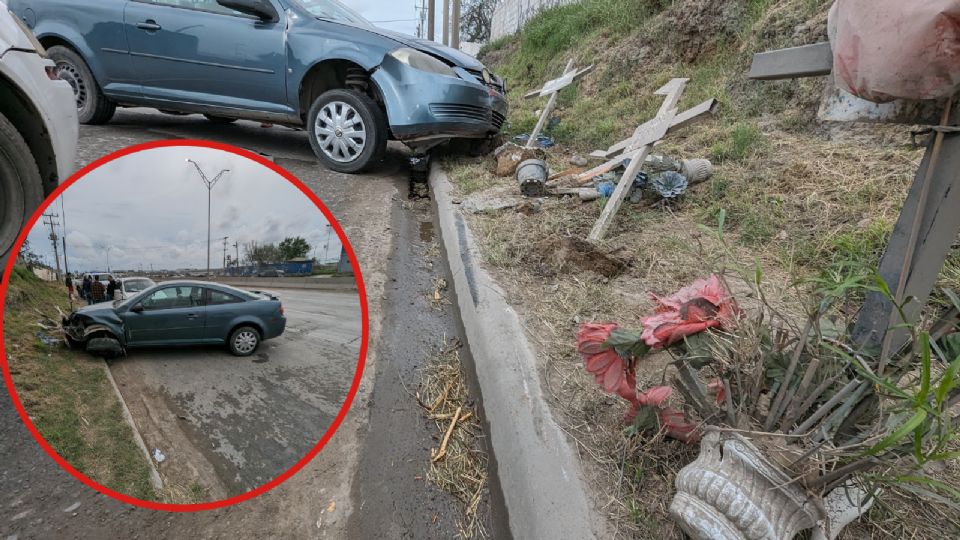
point(431, 18)
point(50, 220)
point(209, 183)
point(225, 238)
point(455, 42)
point(326, 247)
point(107, 248)
point(236, 246)
point(446, 22)
point(66, 267)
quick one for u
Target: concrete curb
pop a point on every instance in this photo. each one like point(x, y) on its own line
point(538, 471)
point(155, 479)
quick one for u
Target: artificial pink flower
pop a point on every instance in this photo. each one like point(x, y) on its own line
point(704, 304)
point(677, 427)
point(655, 396)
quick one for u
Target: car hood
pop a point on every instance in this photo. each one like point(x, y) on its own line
point(449, 54)
point(103, 310)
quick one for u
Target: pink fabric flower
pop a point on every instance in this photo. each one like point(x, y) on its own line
point(677, 427)
point(704, 304)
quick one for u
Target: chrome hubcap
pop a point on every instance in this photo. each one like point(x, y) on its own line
point(69, 73)
point(340, 132)
point(245, 342)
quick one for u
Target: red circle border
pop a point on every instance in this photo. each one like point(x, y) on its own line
point(331, 430)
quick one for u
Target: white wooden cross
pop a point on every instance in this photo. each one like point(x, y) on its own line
point(551, 88)
point(638, 146)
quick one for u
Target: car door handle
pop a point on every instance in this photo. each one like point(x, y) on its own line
point(193, 316)
point(149, 25)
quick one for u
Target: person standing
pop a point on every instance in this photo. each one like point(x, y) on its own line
point(87, 282)
point(112, 287)
point(69, 282)
point(97, 291)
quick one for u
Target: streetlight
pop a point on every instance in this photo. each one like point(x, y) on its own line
point(209, 183)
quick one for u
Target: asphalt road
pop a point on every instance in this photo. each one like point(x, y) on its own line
point(229, 425)
point(365, 481)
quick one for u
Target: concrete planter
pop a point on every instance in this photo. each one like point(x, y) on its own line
point(730, 493)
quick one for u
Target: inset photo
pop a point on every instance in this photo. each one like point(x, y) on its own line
point(184, 325)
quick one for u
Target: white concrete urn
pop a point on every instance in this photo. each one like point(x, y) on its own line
point(733, 492)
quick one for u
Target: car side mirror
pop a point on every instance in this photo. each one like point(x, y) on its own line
point(137, 308)
point(261, 9)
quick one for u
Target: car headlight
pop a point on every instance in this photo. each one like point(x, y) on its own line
point(422, 61)
point(29, 33)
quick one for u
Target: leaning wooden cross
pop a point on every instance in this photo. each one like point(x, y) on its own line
point(551, 88)
point(638, 146)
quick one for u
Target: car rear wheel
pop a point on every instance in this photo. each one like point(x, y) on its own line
point(92, 106)
point(219, 119)
point(244, 341)
point(347, 130)
point(21, 189)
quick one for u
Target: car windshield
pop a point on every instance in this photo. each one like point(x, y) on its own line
point(332, 10)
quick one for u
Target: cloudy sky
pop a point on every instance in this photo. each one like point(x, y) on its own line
point(150, 208)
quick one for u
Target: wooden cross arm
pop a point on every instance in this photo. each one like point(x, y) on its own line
point(558, 84)
point(679, 121)
point(805, 61)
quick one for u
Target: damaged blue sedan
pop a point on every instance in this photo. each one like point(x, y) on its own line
point(178, 313)
point(311, 64)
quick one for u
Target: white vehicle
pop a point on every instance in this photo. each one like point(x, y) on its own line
point(38, 127)
point(132, 286)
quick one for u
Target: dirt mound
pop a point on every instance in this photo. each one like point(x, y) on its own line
point(696, 27)
point(566, 254)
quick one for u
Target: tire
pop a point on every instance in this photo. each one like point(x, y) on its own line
point(244, 341)
point(219, 119)
point(92, 106)
point(21, 188)
point(335, 151)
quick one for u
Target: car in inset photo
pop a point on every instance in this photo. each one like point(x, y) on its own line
point(38, 127)
point(178, 313)
point(312, 64)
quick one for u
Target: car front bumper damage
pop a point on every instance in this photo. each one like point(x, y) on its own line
point(423, 106)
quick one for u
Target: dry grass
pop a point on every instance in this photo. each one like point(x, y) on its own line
point(459, 465)
point(797, 213)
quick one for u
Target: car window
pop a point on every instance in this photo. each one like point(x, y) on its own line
point(199, 5)
point(217, 298)
point(173, 298)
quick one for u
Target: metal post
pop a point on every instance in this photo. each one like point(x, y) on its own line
point(455, 42)
point(446, 22)
point(431, 18)
point(209, 184)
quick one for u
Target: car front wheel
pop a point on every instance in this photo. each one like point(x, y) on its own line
point(21, 190)
point(244, 341)
point(347, 130)
point(92, 106)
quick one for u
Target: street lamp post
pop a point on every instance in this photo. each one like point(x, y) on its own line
point(209, 183)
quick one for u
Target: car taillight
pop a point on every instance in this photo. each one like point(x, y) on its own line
point(53, 73)
point(281, 310)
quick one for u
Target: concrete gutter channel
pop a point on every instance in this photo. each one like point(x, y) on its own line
point(155, 481)
point(537, 470)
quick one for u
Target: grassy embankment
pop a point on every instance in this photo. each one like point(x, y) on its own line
point(67, 393)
